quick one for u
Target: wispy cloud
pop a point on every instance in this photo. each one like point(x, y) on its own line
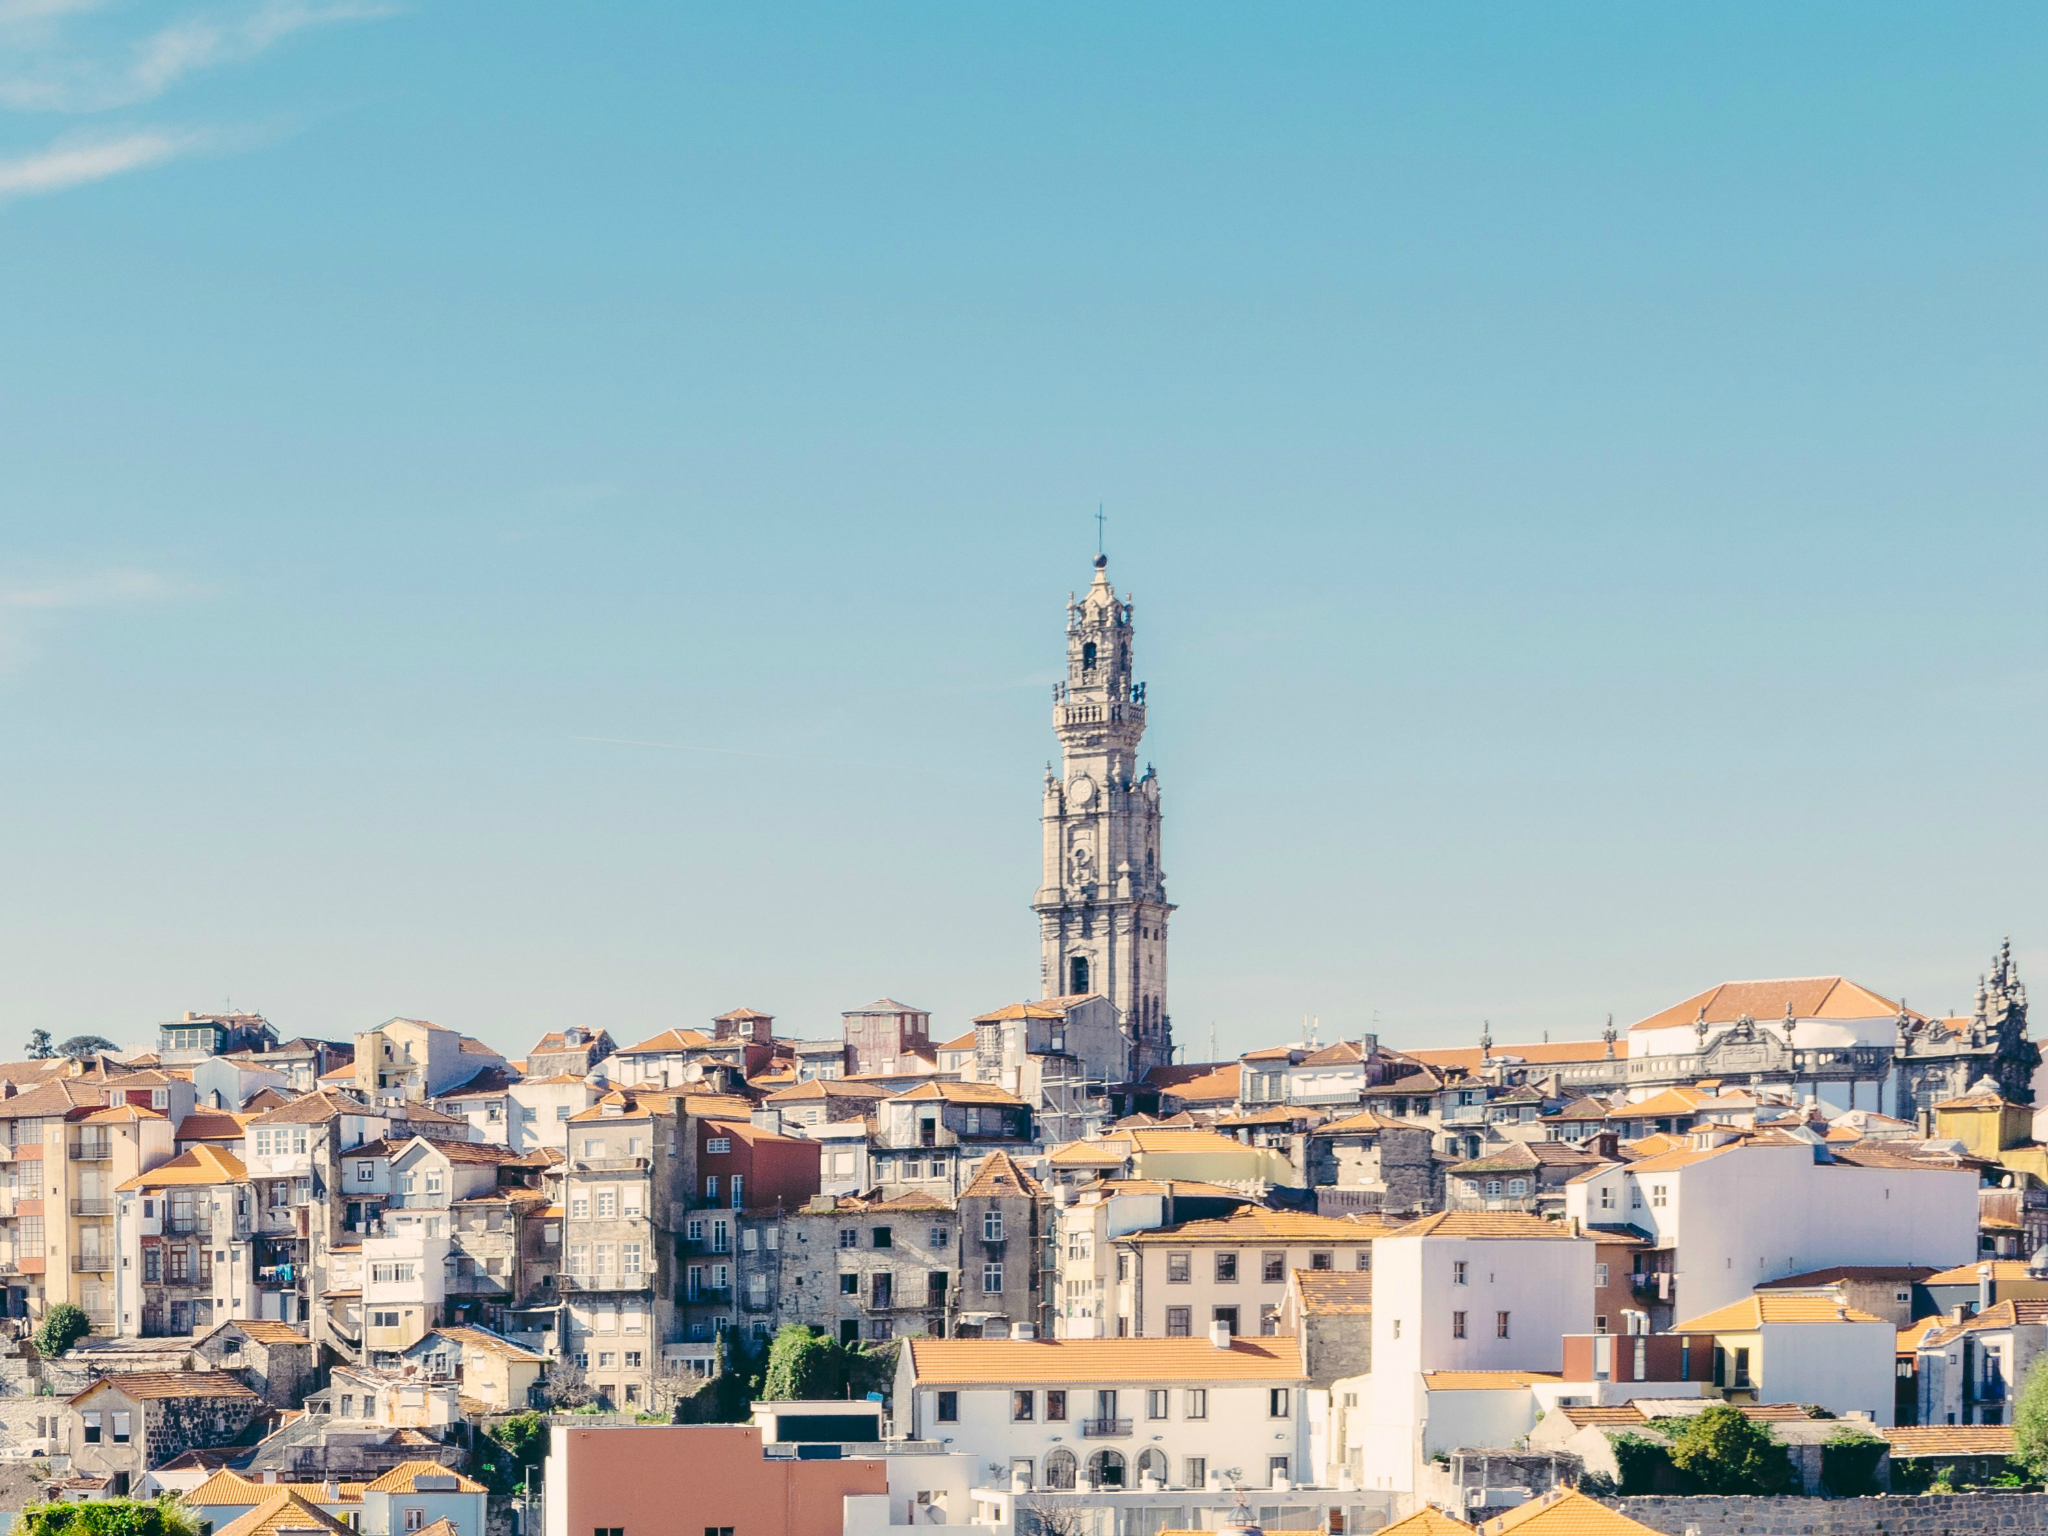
point(27, 607)
point(76, 161)
point(55, 72)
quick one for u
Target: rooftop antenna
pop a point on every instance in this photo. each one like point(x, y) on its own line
point(1212, 1039)
point(1101, 517)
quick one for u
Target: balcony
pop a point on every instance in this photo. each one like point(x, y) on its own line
point(189, 1226)
point(92, 1205)
point(92, 1263)
point(286, 1275)
point(608, 1164)
point(1105, 1429)
point(631, 1280)
point(705, 1296)
point(91, 1151)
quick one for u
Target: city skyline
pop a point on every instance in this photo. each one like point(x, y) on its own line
point(531, 520)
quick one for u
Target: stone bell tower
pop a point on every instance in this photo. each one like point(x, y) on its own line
point(1102, 907)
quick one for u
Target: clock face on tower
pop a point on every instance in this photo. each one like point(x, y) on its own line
point(1081, 791)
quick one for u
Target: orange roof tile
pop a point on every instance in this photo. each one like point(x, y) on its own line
point(286, 1510)
point(1808, 997)
point(1753, 1312)
point(1427, 1521)
point(1565, 1512)
point(1490, 1224)
point(1547, 1053)
point(400, 1478)
point(1484, 1381)
point(1951, 1440)
point(195, 1165)
point(1256, 1223)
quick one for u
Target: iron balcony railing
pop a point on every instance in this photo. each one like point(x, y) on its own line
point(92, 1263)
point(91, 1151)
point(1105, 1429)
point(92, 1205)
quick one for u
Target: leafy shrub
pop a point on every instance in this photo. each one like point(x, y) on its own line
point(109, 1517)
point(1643, 1464)
point(62, 1326)
point(1723, 1452)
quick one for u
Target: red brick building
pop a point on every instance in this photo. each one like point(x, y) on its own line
point(743, 1167)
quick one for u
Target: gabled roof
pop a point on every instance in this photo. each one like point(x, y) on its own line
point(958, 1043)
point(1753, 1312)
point(1491, 1224)
point(1279, 1114)
point(962, 1093)
point(1343, 1053)
point(1522, 1156)
point(999, 1176)
point(2014, 1312)
point(826, 1088)
point(1807, 997)
point(1427, 1521)
point(887, 1005)
point(1545, 1053)
point(492, 1343)
point(314, 1109)
point(1163, 1138)
point(285, 1510)
point(1420, 1080)
point(122, 1114)
point(140, 1386)
point(1565, 1512)
point(1047, 1008)
point(1366, 1121)
point(1667, 1102)
point(264, 1330)
point(195, 1165)
point(2003, 1272)
point(400, 1478)
point(1588, 1108)
point(670, 1040)
point(998, 1361)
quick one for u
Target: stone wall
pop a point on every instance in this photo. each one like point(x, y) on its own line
point(1933, 1514)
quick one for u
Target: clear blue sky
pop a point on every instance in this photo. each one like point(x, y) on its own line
point(1579, 468)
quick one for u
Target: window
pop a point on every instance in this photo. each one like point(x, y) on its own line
point(1457, 1325)
point(1196, 1404)
point(1518, 1187)
point(1227, 1316)
point(849, 1285)
point(1500, 1325)
point(949, 1408)
point(121, 1427)
point(1600, 1276)
point(1459, 1273)
point(1397, 1327)
point(884, 1237)
point(717, 1530)
point(1179, 1268)
point(992, 1279)
point(1606, 1199)
point(711, 1189)
point(849, 1237)
point(1226, 1269)
point(1055, 1405)
point(1269, 1320)
point(1177, 1322)
point(1021, 1406)
point(1276, 1469)
point(1273, 1268)
point(1320, 1261)
point(1155, 1403)
point(383, 1319)
point(607, 1204)
point(1365, 1258)
point(579, 1258)
point(91, 1423)
point(940, 1237)
point(579, 1207)
point(1195, 1471)
point(1657, 1194)
point(991, 1226)
point(415, 1517)
point(718, 1144)
point(1279, 1402)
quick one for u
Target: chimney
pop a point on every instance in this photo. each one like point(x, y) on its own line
point(1219, 1334)
point(1987, 1287)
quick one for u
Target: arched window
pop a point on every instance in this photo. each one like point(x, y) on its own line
point(1060, 1468)
point(1088, 657)
point(1106, 1470)
point(1077, 974)
point(1152, 1463)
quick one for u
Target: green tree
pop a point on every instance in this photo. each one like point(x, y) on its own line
point(1848, 1463)
point(522, 1444)
point(1723, 1452)
point(62, 1326)
point(109, 1517)
point(39, 1047)
point(2030, 1421)
point(803, 1364)
point(82, 1046)
point(1639, 1461)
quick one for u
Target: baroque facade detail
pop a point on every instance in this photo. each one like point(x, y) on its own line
point(1101, 903)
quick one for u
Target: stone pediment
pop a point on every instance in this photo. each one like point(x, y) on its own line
point(1743, 1047)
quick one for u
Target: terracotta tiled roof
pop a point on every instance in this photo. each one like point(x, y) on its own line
point(1427, 1521)
point(1342, 1054)
point(1421, 1080)
point(314, 1109)
point(209, 1125)
point(1522, 1156)
point(195, 1165)
point(1215, 1085)
point(1160, 1138)
point(958, 1042)
point(1258, 1223)
point(1277, 1115)
point(999, 1175)
point(1484, 1381)
point(1583, 1414)
point(1369, 1120)
point(1903, 1274)
point(1051, 1008)
point(1809, 997)
point(672, 1040)
point(2003, 1272)
point(1544, 1054)
point(1669, 1102)
point(1333, 1292)
point(826, 1087)
point(286, 1510)
point(148, 1385)
point(400, 1478)
point(963, 1093)
point(997, 1361)
point(1951, 1440)
point(1496, 1224)
point(266, 1331)
point(1753, 1312)
point(484, 1339)
point(1565, 1512)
